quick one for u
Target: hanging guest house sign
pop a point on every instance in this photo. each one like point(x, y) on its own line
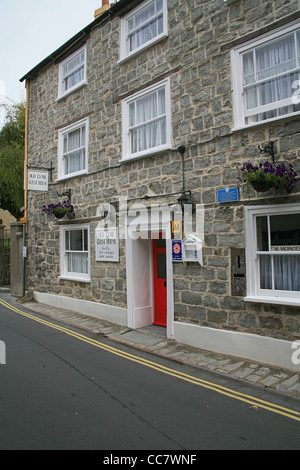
point(107, 244)
point(38, 180)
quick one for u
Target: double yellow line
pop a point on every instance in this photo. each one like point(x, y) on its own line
point(255, 402)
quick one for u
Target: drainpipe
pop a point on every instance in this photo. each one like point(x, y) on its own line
point(26, 154)
point(25, 185)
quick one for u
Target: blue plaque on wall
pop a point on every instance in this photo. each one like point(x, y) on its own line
point(228, 195)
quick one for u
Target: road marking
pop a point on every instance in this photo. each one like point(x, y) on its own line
point(160, 368)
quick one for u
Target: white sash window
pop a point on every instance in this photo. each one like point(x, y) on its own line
point(73, 149)
point(143, 26)
point(266, 76)
point(72, 72)
point(75, 249)
point(146, 121)
point(273, 254)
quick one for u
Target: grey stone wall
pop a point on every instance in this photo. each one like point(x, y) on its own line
point(196, 57)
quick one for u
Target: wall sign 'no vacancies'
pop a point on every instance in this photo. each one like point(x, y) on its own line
point(107, 244)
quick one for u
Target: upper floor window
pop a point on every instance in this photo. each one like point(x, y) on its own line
point(72, 72)
point(273, 254)
point(266, 75)
point(146, 121)
point(143, 26)
point(72, 154)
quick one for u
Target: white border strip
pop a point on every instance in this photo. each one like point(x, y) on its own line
point(248, 346)
point(85, 307)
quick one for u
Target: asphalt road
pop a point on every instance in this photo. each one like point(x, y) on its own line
point(62, 388)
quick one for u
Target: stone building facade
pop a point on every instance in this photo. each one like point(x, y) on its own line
point(209, 69)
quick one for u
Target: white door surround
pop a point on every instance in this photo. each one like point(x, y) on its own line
point(139, 267)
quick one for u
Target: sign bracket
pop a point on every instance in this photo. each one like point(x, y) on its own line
point(43, 168)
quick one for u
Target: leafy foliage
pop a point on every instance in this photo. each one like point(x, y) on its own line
point(12, 143)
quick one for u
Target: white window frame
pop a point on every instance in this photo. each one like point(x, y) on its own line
point(65, 274)
point(125, 53)
point(61, 88)
point(239, 95)
point(254, 293)
point(61, 156)
point(126, 130)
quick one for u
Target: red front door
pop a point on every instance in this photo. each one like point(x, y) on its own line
point(160, 282)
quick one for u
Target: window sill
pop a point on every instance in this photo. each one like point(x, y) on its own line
point(243, 127)
point(61, 97)
point(68, 177)
point(138, 51)
point(273, 300)
point(77, 279)
point(145, 154)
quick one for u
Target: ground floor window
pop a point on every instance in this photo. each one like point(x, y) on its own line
point(273, 253)
point(75, 252)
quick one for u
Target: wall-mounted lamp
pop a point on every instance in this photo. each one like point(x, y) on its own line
point(268, 148)
point(65, 193)
point(186, 196)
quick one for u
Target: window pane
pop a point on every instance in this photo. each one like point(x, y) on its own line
point(285, 232)
point(76, 161)
point(134, 136)
point(77, 263)
point(131, 114)
point(67, 241)
point(277, 89)
point(251, 98)
point(161, 101)
point(265, 268)
point(163, 132)
point(159, 5)
point(73, 140)
point(262, 234)
point(85, 241)
point(248, 67)
point(277, 57)
point(76, 240)
point(146, 108)
point(144, 14)
point(65, 143)
point(130, 24)
point(287, 272)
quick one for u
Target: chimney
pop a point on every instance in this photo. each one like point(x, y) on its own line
point(105, 6)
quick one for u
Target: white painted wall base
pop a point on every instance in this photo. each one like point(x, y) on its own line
point(85, 307)
point(274, 352)
point(271, 351)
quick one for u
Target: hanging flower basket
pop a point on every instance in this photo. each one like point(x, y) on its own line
point(261, 186)
point(265, 176)
point(59, 210)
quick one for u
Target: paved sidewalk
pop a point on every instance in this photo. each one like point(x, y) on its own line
point(152, 340)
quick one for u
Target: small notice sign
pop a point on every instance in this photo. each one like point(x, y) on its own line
point(37, 180)
point(176, 250)
point(176, 227)
point(228, 195)
point(107, 244)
